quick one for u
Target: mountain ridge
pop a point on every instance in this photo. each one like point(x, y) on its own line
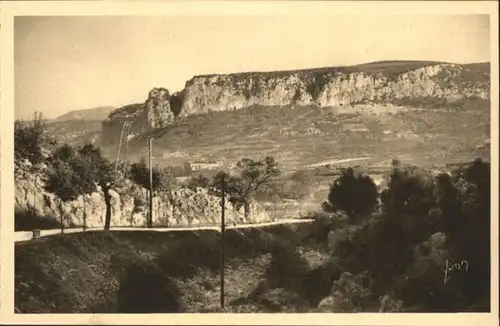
point(92, 114)
point(412, 83)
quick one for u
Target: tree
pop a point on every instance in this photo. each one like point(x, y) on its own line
point(198, 181)
point(251, 177)
point(353, 193)
point(28, 139)
point(69, 176)
point(409, 199)
point(464, 202)
point(139, 173)
point(102, 173)
point(410, 190)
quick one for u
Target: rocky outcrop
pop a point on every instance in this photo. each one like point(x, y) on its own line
point(331, 87)
point(158, 108)
point(411, 84)
point(129, 205)
point(155, 112)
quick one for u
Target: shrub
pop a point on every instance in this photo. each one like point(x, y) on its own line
point(287, 269)
point(29, 138)
point(146, 289)
point(353, 193)
point(199, 181)
point(140, 174)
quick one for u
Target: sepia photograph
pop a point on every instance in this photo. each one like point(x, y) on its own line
point(285, 163)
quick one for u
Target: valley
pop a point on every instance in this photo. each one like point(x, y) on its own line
point(411, 140)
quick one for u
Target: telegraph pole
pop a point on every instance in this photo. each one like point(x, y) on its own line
point(223, 229)
point(119, 146)
point(126, 149)
point(150, 221)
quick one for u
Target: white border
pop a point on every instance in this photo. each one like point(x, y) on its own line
point(10, 9)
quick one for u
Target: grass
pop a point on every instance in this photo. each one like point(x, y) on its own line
point(97, 272)
point(423, 136)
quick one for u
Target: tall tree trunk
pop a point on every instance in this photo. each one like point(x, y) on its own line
point(107, 200)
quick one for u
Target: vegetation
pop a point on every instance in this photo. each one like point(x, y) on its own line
point(353, 193)
point(75, 172)
point(29, 138)
point(397, 252)
point(418, 211)
point(162, 179)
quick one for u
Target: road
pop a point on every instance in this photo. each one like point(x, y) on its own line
point(22, 236)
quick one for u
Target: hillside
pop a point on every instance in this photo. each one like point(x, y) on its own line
point(75, 132)
point(127, 265)
point(294, 106)
point(299, 136)
point(94, 114)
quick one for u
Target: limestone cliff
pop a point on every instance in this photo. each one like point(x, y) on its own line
point(414, 84)
point(333, 87)
point(157, 111)
point(181, 207)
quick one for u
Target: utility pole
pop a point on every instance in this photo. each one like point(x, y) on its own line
point(120, 145)
point(150, 221)
point(223, 229)
point(126, 149)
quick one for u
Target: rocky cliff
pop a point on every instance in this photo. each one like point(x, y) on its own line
point(385, 83)
point(158, 111)
point(335, 87)
point(129, 205)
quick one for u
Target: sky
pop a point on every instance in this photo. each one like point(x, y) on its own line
point(71, 63)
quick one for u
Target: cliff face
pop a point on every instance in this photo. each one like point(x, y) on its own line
point(129, 205)
point(157, 111)
point(414, 84)
point(332, 88)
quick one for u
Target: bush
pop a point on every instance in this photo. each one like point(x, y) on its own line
point(416, 206)
point(146, 289)
point(287, 269)
point(199, 181)
point(464, 200)
point(353, 193)
point(29, 138)
point(140, 175)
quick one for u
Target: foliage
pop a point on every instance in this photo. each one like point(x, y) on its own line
point(140, 174)
point(70, 175)
point(464, 201)
point(415, 207)
point(77, 172)
point(158, 292)
point(28, 139)
point(353, 193)
point(287, 268)
point(251, 177)
point(198, 181)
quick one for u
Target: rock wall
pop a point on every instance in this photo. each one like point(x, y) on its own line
point(129, 205)
point(407, 84)
point(155, 112)
point(329, 88)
